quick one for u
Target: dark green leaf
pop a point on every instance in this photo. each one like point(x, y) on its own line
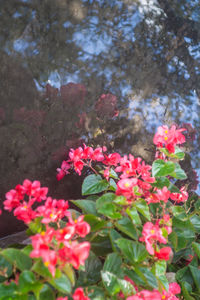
point(186, 289)
point(18, 258)
point(87, 206)
point(61, 283)
point(46, 293)
point(195, 220)
point(95, 223)
point(94, 184)
point(96, 293)
point(196, 247)
point(143, 208)
point(161, 182)
point(114, 236)
point(126, 226)
point(113, 264)
point(162, 168)
point(91, 275)
point(5, 269)
point(147, 276)
point(179, 212)
point(106, 198)
point(196, 276)
point(7, 291)
point(133, 214)
point(135, 252)
point(101, 245)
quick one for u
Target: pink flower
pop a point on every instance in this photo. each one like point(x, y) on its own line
point(79, 294)
point(62, 298)
point(106, 173)
point(150, 235)
point(174, 288)
point(146, 295)
point(63, 170)
point(180, 197)
point(169, 137)
point(82, 228)
point(125, 187)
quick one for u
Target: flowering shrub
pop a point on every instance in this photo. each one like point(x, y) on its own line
point(138, 237)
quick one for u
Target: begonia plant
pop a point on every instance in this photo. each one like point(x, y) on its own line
point(135, 234)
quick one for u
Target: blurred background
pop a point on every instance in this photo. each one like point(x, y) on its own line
point(96, 72)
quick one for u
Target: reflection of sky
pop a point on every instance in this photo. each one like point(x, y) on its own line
point(92, 45)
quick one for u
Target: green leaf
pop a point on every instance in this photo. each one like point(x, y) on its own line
point(94, 184)
point(27, 282)
point(41, 269)
point(7, 291)
point(135, 252)
point(101, 245)
point(96, 293)
point(126, 287)
point(163, 282)
point(87, 206)
point(195, 220)
point(18, 258)
point(143, 208)
point(173, 188)
point(147, 276)
point(61, 283)
point(126, 226)
point(179, 212)
point(106, 206)
point(113, 185)
point(113, 264)
point(36, 226)
point(110, 282)
point(114, 236)
point(91, 275)
point(5, 269)
point(133, 214)
point(120, 200)
point(178, 172)
point(196, 247)
point(162, 168)
point(185, 232)
point(159, 268)
point(186, 289)
point(184, 274)
point(46, 293)
point(161, 182)
point(106, 198)
point(95, 223)
point(196, 276)
point(178, 153)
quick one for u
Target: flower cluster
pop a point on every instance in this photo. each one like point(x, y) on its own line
point(169, 137)
point(78, 295)
point(174, 289)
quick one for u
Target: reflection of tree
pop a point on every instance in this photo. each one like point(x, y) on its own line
point(109, 47)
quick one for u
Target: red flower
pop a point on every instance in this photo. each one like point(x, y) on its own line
point(74, 253)
point(146, 295)
point(82, 228)
point(164, 253)
point(112, 159)
point(180, 197)
point(79, 295)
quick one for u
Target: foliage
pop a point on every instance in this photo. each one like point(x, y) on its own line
point(138, 229)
